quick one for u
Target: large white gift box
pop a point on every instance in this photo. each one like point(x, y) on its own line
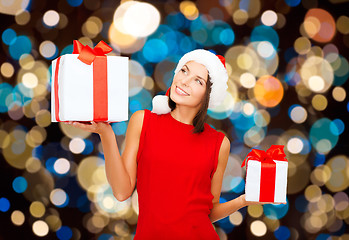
point(89, 86)
point(266, 175)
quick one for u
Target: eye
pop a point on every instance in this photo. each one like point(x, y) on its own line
point(199, 81)
point(183, 70)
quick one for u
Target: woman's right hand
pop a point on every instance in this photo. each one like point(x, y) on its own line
point(94, 127)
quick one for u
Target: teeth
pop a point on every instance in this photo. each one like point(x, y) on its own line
point(182, 91)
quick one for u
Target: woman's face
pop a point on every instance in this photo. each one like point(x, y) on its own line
point(192, 79)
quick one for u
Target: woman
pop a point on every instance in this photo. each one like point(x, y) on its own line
point(177, 159)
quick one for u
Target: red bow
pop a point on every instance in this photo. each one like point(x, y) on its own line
point(275, 152)
point(88, 55)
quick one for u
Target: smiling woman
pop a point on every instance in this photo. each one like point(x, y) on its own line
point(189, 184)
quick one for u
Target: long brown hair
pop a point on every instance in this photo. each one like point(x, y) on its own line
point(201, 116)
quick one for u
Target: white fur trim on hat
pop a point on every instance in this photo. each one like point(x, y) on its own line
point(160, 104)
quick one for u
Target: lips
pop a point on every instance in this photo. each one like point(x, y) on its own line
point(181, 91)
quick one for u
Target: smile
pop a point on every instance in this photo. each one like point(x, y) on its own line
point(181, 92)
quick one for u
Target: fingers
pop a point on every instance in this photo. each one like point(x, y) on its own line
point(83, 126)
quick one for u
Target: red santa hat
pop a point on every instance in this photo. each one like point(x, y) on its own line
point(215, 65)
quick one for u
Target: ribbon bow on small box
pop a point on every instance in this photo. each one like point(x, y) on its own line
point(266, 175)
point(88, 55)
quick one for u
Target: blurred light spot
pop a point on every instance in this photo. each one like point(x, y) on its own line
point(316, 83)
point(77, 145)
point(21, 45)
point(7, 69)
point(269, 18)
point(275, 211)
point(302, 45)
point(321, 136)
point(48, 49)
point(155, 50)
point(64, 233)
point(319, 102)
point(86, 169)
point(37, 209)
point(247, 80)
point(189, 10)
point(4, 204)
point(255, 210)
point(43, 118)
point(33, 165)
point(59, 197)
point(294, 145)
point(74, 3)
point(312, 193)
point(54, 222)
point(29, 80)
point(92, 27)
point(282, 233)
point(262, 118)
point(298, 114)
point(337, 126)
point(138, 19)
point(265, 49)
point(9, 36)
point(268, 91)
point(22, 18)
point(343, 24)
point(40, 228)
point(265, 33)
point(248, 109)
point(61, 166)
point(17, 218)
point(258, 228)
point(236, 218)
point(339, 94)
point(240, 17)
point(319, 25)
point(19, 184)
point(292, 3)
point(341, 201)
point(124, 43)
point(51, 18)
point(26, 61)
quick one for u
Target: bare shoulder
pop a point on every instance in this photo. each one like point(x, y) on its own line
point(136, 120)
point(225, 148)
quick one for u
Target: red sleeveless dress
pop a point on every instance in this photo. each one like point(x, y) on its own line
point(174, 173)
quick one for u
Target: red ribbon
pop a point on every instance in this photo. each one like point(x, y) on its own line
point(268, 169)
point(88, 56)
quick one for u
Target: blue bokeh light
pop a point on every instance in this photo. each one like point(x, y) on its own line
point(20, 46)
point(64, 233)
point(265, 33)
point(155, 50)
point(19, 184)
point(337, 126)
point(74, 3)
point(9, 36)
point(275, 211)
point(119, 128)
point(292, 3)
point(282, 233)
point(5, 90)
point(4, 204)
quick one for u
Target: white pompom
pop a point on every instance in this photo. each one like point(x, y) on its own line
point(160, 104)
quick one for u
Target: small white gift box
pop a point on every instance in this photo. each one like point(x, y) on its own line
point(89, 86)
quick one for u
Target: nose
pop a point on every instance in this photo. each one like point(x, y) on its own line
point(186, 80)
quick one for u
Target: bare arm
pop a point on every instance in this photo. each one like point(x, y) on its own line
point(121, 171)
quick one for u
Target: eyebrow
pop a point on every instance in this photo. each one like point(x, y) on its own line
point(196, 75)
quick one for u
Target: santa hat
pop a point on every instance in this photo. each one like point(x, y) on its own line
point(215, 65)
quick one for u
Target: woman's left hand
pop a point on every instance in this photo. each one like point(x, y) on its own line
point(247, 203)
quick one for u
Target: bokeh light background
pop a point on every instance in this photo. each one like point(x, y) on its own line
point(288, 69)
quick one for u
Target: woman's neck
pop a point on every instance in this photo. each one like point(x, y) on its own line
point(184, 115)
